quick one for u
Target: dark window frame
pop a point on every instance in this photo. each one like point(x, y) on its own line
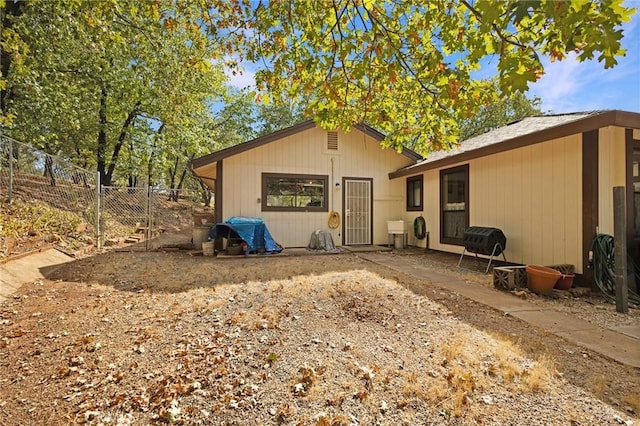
point(464, 169)
point(325, 203)
point(410, 188)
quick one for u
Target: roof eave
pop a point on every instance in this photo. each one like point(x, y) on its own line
point(263, 140)
point(604, 119)
point(370, 131)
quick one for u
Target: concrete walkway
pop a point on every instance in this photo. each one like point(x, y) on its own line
point(620, 345)
point(27, 269)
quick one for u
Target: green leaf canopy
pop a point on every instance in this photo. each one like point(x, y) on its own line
point(406, 67)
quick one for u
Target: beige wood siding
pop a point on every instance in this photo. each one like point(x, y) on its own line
point(430, 212)
point(306, 153)
point(611, 159)
point(534, 194)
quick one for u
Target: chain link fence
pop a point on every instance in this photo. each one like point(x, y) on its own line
point(124, 212)
point(45, 200)
point(145, 214)
point(174, 214)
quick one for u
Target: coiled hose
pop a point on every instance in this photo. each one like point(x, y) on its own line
point(419, 227)
point(602, 248)
point(334, 220)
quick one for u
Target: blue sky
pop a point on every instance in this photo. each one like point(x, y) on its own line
point(570, 85)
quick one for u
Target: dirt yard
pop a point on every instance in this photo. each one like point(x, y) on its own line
point(168, 338)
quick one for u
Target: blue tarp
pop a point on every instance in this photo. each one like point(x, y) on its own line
point(251, 230)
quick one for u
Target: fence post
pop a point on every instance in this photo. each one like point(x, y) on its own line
point(149, 219)
point(620, 249)
point(98, 213)
point(10, 195)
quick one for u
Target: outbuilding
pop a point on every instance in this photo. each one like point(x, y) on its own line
point(545, 181)
point(303, 178)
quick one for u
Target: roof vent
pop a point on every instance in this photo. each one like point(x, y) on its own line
point(332, 140)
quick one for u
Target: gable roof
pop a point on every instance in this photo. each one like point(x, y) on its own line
point(528, 131)
point(280, 134)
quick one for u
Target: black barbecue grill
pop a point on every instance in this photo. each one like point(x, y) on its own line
point(484, 240)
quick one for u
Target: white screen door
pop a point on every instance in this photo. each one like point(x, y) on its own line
point(357, 211)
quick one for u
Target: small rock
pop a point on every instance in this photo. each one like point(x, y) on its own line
point(521, 294)
point(579, 291)
point(94, 347)
point(75, 361)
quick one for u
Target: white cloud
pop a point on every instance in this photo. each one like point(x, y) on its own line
point(242, 79)
point(570, 85)
point(560, 84)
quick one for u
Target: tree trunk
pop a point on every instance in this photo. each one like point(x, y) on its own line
point(12, 9)
point(178, 187)
point(182, 176)
point(205, 194)
point(48, 170)
point(150, 169)
point(173, 194)
point(121, 139)
point(152, 157)
point(102, 138)
point(133, 181)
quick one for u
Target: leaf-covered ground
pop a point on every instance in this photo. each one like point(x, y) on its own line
point(140, 338)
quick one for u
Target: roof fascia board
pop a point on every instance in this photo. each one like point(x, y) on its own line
point(630, 120)
point(607, 118)
point(370, 131)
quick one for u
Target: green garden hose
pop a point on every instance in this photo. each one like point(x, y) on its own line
point(419, 227)
point(602, 248)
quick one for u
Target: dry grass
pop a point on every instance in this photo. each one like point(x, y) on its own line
point(309, 349)
point(539, 376)
point(633, 401)
point(454, 348)
point(599, 384)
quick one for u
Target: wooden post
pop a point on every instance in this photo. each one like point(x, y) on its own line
point(620, 249)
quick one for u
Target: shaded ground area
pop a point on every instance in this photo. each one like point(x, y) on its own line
point(127, 336)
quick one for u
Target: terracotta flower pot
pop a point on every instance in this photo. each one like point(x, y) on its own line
point(541, 279)
point(565, 282)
